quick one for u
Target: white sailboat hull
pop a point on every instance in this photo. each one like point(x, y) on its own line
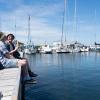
point(46, 49)
point(29, 51)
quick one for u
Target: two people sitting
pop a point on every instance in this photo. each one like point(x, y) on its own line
point(8, 57)
point(13, 50)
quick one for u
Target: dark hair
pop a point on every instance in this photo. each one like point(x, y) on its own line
point(11, 35)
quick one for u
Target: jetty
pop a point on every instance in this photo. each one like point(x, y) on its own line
point(10, 84)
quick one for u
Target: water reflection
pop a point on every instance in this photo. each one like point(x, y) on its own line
point(65, 76)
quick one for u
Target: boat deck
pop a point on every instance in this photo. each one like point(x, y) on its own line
point(10, 84)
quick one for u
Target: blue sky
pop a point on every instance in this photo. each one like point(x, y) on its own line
point(46, 20)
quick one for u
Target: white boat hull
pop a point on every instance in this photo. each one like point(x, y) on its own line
point(29, 51)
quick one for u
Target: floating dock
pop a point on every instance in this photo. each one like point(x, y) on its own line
point(10, 84)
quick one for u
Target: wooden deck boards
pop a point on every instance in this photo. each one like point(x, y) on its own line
point(9, 83)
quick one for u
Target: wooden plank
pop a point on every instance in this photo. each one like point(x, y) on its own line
point(15, 95)
point(9, 71)
point(9, 83)
point(6, 98)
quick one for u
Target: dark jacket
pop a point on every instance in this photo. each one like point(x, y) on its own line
point(16, 54)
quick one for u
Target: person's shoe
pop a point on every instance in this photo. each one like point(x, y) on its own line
point(32, 81)
point(31, 74)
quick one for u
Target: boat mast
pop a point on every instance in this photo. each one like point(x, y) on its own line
point(0, 24)
point(75, 18)
point(28, 29)
point(65, 18)
point(15, 27)
point(95, 25)
point(63, 23)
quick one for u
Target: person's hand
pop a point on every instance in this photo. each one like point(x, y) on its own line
point(11, 57)
point(17, 44)
point(16, 48)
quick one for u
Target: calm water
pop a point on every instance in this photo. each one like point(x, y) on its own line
point(65, 77)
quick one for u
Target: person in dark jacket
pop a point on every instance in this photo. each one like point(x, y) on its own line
point(13, 50)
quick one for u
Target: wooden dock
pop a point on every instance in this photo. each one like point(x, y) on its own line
point(10, 84)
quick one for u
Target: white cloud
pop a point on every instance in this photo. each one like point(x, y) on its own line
point(45, 23)
point(40, 29)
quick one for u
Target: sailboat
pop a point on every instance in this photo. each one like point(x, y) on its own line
point(29, 47)
point(46, 49)
point(76, 46)
point(62, 48)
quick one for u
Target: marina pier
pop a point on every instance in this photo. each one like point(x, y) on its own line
point(10, 84)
